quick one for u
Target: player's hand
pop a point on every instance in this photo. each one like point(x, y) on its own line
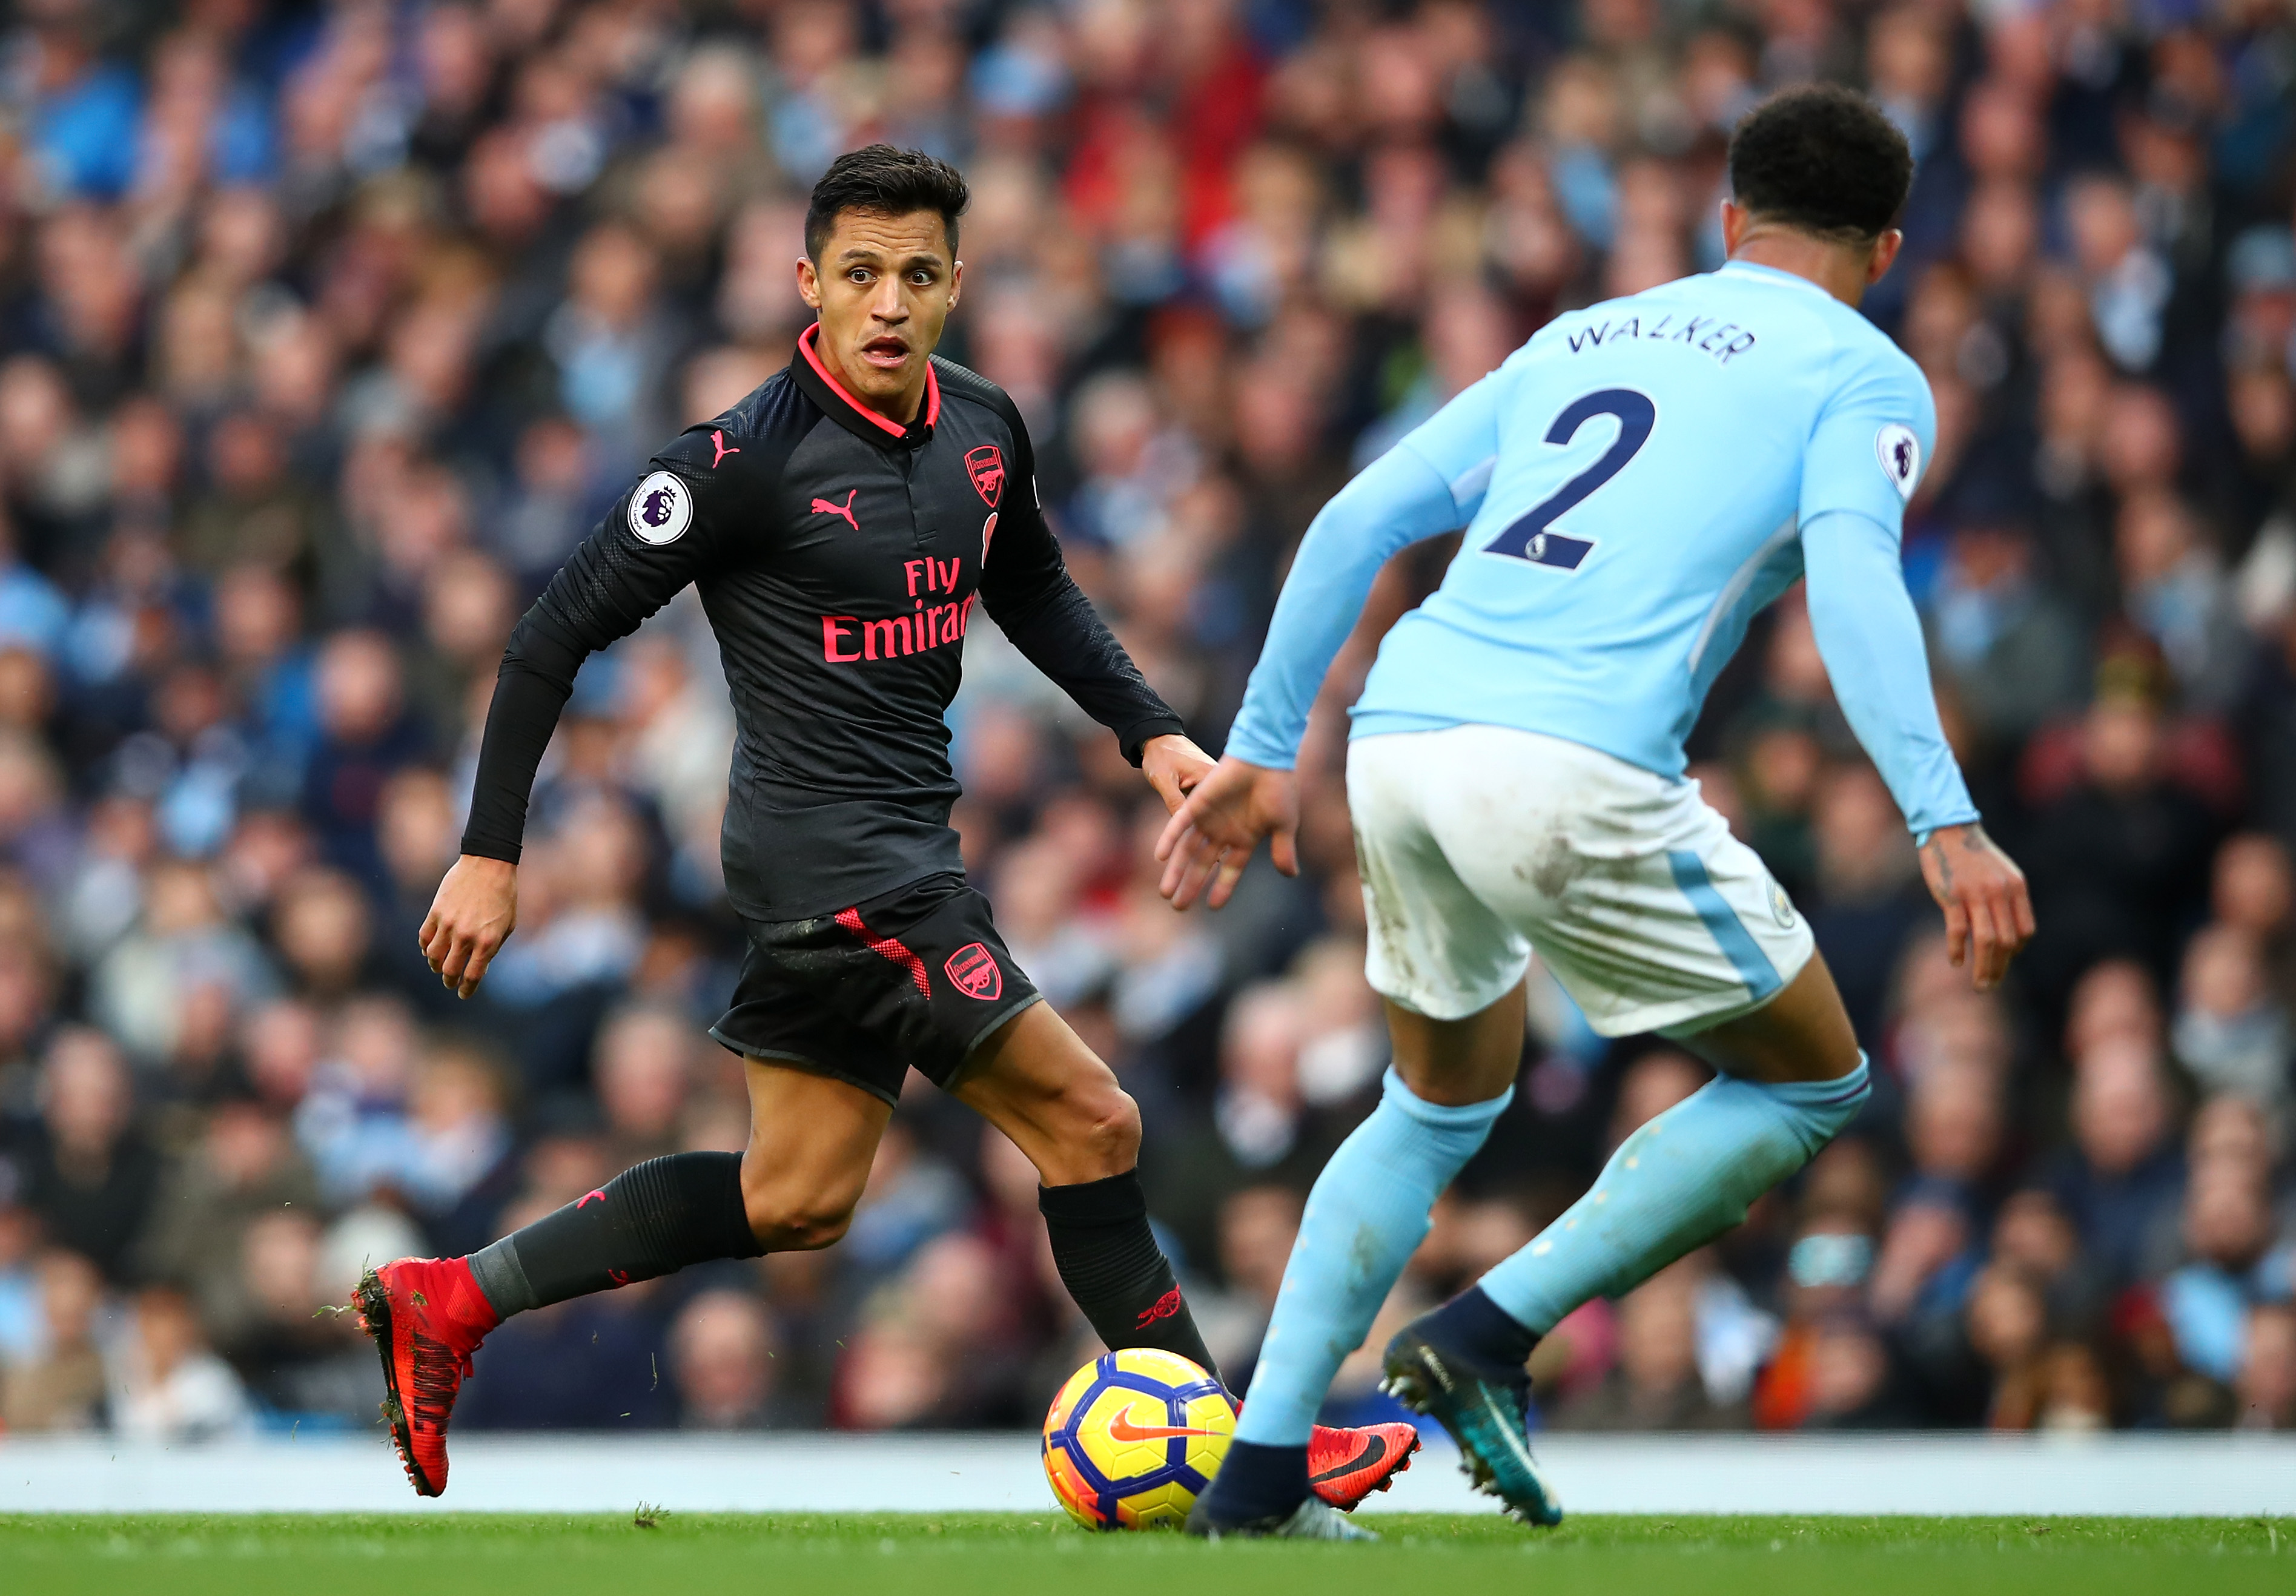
point(1173, 765)
point(1989, 913)
point(472, 917)
point(1210, 837)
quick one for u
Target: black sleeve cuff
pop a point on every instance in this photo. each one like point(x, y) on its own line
point(1135, 737)
point(489, 849)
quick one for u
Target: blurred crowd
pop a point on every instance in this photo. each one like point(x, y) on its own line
point(327, 329)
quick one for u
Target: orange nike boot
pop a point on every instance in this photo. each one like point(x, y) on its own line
point(1344, 1466)
point(427, 1316)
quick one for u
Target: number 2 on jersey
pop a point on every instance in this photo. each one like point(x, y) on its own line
point(1527, 537)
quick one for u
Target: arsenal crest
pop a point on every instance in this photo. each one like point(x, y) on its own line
point(986, 466)
point(972, 971)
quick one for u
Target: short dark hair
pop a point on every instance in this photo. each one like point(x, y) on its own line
point(887, 182)
point(1822, 159)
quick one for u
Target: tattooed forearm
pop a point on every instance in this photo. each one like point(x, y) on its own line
point(1937, 850)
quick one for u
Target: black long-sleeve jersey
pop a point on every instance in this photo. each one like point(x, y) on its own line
point(839, 557)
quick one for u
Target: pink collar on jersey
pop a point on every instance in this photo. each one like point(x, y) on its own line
point(812, 335)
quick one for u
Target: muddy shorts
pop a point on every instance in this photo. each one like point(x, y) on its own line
point(1479, 844)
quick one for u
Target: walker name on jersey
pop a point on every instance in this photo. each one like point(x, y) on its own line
point(846, 638)
point(1708, 334)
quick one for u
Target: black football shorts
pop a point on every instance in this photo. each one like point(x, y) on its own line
point(914, 978)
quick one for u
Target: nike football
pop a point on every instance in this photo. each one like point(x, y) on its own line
point(1132, 1436)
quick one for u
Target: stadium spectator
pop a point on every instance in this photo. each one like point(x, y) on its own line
point(2266, 1394)
point(296, 1359)
point(459, 1158)
point(91, 1176)
point(2121, 1180)
point(1954, 1130)
point(165, 1384)
point(247, 1165)
point(1822, 1370)
point(1256, 1228)
point(2118, 860)
point(2228, 1234)
point(20, 1290)
point(722, 1350)
point(1868, 900)
point(61, 1385)
point(2034, 1233)
point(2003, 640)
point(1657, 1384)
point(641, 1074)
point(2230, 1032)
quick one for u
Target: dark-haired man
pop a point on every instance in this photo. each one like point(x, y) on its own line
point(1636, 482)
point(842, 523)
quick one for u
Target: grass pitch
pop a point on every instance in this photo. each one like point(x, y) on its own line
point(701, 1554)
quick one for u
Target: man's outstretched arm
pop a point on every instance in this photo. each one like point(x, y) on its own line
point(612, 581)
point(1871, 640)
point(1429, 484)
point(1399, 499)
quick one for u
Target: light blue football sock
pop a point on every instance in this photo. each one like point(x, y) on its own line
point(1365, 1216)
point(1674, 1185)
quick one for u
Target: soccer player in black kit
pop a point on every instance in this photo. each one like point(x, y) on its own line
point(843, 523)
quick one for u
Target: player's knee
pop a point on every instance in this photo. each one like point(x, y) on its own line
point(1106, 1133)
point(786, 1220)
point(800, 1226)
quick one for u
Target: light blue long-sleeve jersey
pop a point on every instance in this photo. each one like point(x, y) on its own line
point(1635, 483)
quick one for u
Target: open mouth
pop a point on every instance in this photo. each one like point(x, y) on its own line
point(885, 352)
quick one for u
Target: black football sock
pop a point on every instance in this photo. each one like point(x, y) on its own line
point(648, 1221)
point(1486, 1334)
point(1255, 1483)
point(1110, 1263)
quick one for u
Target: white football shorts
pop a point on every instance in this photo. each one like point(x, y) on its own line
point(1479, 844)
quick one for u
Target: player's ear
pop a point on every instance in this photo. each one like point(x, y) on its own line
point(1734, 226)
point(955, 281)
point(1885, 254)
point(809, 281)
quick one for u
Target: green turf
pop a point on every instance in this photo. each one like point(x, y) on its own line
point(1006, 1554)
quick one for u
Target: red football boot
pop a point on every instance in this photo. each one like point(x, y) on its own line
point(1344, 1466)
point(427, 1316)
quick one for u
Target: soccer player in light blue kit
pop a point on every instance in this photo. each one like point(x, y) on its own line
point(1636, 482)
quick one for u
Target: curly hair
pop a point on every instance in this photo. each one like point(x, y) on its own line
point(1822, 159)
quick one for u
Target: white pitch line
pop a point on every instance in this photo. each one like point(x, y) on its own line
point(1928, 1473)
